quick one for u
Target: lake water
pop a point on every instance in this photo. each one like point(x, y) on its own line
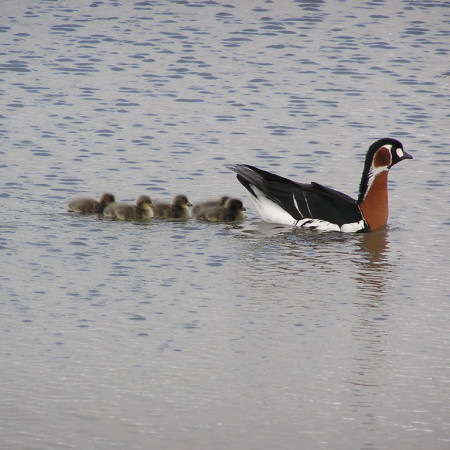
point(172, 335)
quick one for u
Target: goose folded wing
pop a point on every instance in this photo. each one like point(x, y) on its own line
point(327, 204)
point(300, 200)
point(314, 201)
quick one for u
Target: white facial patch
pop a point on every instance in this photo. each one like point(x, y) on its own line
point(399, 153)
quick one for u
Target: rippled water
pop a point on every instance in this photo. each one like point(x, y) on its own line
point(189, 335)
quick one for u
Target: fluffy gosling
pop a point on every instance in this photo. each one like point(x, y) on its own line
point(142, 209)
point(91, 206)
point(178, 209)
point(231, 211)
point(198, 207)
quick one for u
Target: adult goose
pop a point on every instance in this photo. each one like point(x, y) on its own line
point(280, 200)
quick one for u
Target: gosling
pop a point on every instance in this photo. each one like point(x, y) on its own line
point(178, 209)
point(209, 204)
point(91, 206)
point(231, 211)
point(142, 209)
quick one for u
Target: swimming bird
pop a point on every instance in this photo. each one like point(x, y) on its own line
point(208, 204)
point(91, 206)
point(178, 209)
point(142, 209)
point(280, 200)
point(231, 211)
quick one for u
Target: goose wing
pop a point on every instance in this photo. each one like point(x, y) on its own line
point(300, 200)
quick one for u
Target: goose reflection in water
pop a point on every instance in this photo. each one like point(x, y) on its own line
point(370, 329)
point(374, 273)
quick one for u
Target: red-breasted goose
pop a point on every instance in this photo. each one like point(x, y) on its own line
point(280, 200)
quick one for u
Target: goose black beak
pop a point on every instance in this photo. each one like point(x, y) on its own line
point(406, 156)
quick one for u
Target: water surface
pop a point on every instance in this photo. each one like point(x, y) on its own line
point(189, 335)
